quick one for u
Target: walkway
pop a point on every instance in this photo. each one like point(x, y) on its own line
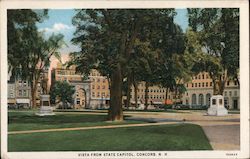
point(89, 128)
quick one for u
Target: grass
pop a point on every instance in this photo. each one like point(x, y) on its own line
point(151, 138)
point(27, 120)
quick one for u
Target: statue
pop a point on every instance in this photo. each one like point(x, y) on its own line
point(44, 84)
point(45, 108)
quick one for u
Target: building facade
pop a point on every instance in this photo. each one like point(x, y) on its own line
point(156, 94)
point(200, 89)
point(91, 93)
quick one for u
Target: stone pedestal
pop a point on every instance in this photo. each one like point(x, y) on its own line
point(217, 106)
point(45, 108)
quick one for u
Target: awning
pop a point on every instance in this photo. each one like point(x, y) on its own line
point(23, 101)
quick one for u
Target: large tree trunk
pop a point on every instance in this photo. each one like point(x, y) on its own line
point(136, 93)
point(166, 94)
point(128, 91)
point(146, 95)
point(33, 93)
point(115, 110)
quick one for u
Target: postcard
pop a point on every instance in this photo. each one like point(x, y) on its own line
point(124, 79)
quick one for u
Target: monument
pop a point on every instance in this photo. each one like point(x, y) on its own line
point(217, 106)
point(45, 108)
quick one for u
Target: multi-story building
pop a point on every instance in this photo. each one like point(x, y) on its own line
point(63, 73)
point(96, 88)
point(200, 89)
point(100, 92)
point(19, 91)
point(156, 94)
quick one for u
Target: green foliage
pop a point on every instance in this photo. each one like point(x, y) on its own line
point(213, 44)
point(217, 35)
point(63, 92)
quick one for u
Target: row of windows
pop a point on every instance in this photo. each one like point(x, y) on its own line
point(99, 80)
point(202, 76)
point(98, 94)
point(23, 93)
point(230, 93)
point(203, 84)
point(152, 97)
point(65, 72)
point(22, 83)
point(99, 87)
point(235, 83)
point(151, 90)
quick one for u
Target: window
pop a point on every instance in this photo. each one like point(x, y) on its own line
point(20, 93)
point(228, 82)
point(93, 86)
point(187, 85)
point(195, 84)
point(103, 87)
point(98, 87)
point(206, 84)
point(24, 93)
point(199, 84)
point(220, 101)
point(98, 94)
point(225, 93)
point(98, 80)
point(24, 83)
point(230, 93)
point(203, 84)
point(192, 85)
point(151, 90)
point(199, 77)
point(103, 94)
point(77, 100)
point(194, 99)
point(20, 83)
point(93, 94)
point(211, 84)
point(201, 99)
point(203, 76)
point(103, 81)
point(235, 93)
point(214, 101)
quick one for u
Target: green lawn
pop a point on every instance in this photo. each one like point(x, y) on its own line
point(152, 138)
point(27, 120)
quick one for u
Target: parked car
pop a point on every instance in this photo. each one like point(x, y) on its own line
point(181, 106)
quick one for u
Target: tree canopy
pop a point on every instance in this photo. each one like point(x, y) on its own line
point(217, 33)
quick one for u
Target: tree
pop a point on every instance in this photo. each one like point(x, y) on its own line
point(109, 38)
point(218, 35)
point(62, 92)
point(29, 53)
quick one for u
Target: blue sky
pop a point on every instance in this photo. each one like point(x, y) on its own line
point(60, 21)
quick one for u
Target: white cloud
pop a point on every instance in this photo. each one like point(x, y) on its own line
point(57, 27)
